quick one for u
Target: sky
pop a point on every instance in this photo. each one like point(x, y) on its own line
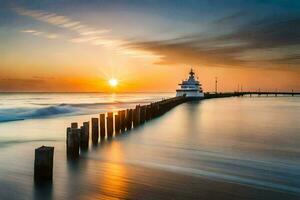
point(148, 45)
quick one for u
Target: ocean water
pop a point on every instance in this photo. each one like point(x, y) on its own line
point(230, 148)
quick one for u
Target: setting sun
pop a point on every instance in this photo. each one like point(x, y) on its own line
point(113, 82)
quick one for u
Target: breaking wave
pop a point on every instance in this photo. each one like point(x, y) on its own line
point(21, 107)
point(14, 114)
point(47, 110)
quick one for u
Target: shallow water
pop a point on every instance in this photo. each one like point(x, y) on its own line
point(231, 148)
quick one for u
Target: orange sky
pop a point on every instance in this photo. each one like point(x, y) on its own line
point(59, 51)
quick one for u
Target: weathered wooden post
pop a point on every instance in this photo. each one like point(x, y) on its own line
point(142, 114)
point(110, 124)
point(134, 113)
point(155, 111)
point(151, 114)
point(102, 126)
point(122, 120)
point(128, 120)
point(43, 163)
point(74, 125)
point(95, 130)
point(85, 135)
point(137, 115)
point(73, 140)
point(68, 130)
point(117, 124)
point(148, 112)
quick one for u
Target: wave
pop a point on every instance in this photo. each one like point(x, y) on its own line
point(47, 109)
point(135, 102)
point(14, 114)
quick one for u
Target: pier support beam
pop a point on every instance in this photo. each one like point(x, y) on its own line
point(74, 125)
point(84, 136)
point(43, 164)
point(110, 124)
point(117, 124)
point(129, 119)
point(122, 120)
point(148, 112)
point(73, 140)
point(102, 126)
point(142, 114)
point(136, 116)
point(95, 130)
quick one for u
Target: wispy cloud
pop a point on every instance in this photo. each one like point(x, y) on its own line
point(60, 21)
point(85, 33)
point(41, 33)
point(271, 42)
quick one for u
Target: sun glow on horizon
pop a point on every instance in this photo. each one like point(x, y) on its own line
point(113, 82)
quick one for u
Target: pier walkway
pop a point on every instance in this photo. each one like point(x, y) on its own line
point(109, 125)
point(238, 94)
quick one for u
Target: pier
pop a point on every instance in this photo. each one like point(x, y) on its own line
point(110, 125)
point(240, 94)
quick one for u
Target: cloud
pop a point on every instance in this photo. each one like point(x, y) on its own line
point(60, 21)
point(277, 37)
point(268, 33)
point(234, 40)
point(85, 33)
point(41, 33)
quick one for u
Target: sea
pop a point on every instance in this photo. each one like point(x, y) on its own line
point(227, 148)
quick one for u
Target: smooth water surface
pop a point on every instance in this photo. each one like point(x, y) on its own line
point(230, 148)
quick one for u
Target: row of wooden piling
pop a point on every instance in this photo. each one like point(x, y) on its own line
point(106, 126)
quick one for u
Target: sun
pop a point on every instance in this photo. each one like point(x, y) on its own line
point(113, 82)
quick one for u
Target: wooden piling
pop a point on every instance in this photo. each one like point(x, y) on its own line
point(122, 120)
point(43, 163)
point(142, 114)
point(84, 135)
point(73, 140)
point(128, 119)
point(74, 125)
point(110, 124)
point(134, 113)
point(102, 126)
point(136, 116)
point(117, 124)
point(148, 113)
point(95, 130)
